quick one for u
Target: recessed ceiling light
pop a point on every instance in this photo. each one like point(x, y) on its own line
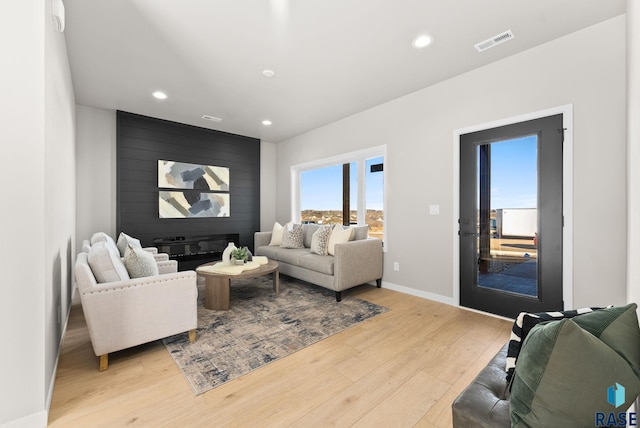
point(212, 118)
point(160, 95)
point(266, 122)
point(422, 41)
point(268, 73)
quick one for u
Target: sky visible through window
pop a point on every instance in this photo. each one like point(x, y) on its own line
point(514, 171)
point(321, 189)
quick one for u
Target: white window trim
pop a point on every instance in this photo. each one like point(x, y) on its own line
point(359, 157)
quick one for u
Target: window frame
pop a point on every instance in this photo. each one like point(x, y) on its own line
point(359, 157)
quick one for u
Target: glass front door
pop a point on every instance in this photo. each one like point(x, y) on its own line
point(511, 218)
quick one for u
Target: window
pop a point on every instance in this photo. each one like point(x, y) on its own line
point(321, 195)
point(346, 189)
point(375, 196)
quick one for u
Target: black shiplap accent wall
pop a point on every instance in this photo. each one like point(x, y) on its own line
point(142, 141)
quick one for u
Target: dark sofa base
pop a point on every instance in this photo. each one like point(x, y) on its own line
point(485, 402)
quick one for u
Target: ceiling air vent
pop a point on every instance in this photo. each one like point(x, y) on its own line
point(495, 41)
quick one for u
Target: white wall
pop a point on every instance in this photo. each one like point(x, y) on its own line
point(60, 194)
point(586, 69)
point(96, 171)
point(268, 164)
point(633, 150)
point(37, 173)
point(22, 153)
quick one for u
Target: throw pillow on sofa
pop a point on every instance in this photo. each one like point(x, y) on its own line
point(618, 328)
point(105, 263)
point(566, 368)
point(293, 236)
point(339, 236)
point(140, 263)
point(276, 234)
point(359, 232)
point(320, 240)
point(125, 240)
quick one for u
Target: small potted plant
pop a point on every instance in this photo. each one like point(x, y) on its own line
point(240, 255)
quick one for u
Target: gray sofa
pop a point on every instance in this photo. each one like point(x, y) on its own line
point(356, 262)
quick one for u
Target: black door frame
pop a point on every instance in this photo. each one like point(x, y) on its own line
point(567, 252)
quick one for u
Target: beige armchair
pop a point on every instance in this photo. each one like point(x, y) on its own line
point(122, 312)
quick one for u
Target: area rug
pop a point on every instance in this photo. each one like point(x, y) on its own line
point(261, 328)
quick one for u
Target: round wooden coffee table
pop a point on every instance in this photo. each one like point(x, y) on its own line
point(216, 294)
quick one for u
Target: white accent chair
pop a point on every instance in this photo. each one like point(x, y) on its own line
point(122, 312)
point(103, 237)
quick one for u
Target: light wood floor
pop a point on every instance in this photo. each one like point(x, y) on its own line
point(401, 369)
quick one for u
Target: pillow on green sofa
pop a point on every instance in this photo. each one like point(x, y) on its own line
point(564, 373)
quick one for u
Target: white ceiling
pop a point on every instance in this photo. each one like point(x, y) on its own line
point(332, 58)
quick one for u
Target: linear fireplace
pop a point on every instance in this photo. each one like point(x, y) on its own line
point(192, 251)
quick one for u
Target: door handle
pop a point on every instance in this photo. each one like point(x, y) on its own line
point(467, 234)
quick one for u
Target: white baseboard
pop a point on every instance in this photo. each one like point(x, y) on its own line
point(419, 293)
point(52, 381)
point(437, 298)
point(486, 313)
point(34, 420)
point(41, 419)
